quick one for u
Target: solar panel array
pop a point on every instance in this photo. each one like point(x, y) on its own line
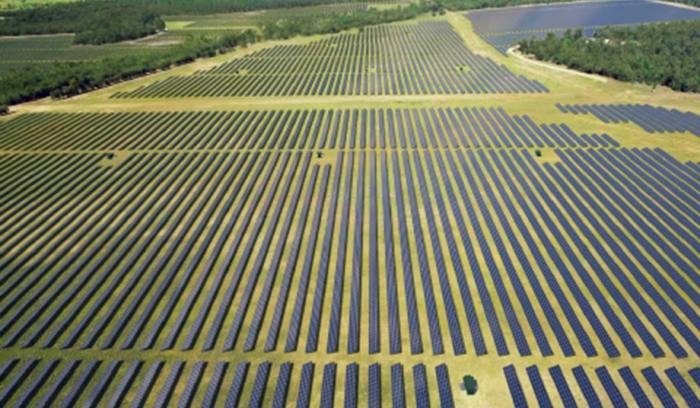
point(504, 27)
point(601, 386)
point(147, 284)
point(66, 383)
point(397, 59)
point(650, 118)
point(415, 233)
point(290, 129)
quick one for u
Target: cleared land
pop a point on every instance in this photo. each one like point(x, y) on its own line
point(28, 51)
point(350, 248)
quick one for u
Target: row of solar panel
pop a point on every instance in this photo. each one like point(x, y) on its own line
point(299, 129)
point(149, 276)
point(650, 118)
point(67, 383)
point(421, 58)
point(609, 383)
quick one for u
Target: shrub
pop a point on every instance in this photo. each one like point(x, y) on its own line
point(470, 384)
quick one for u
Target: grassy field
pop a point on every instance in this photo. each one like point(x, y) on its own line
point(19, 52)
point(81, 131)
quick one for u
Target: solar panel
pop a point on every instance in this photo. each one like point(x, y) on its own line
point(374, 385)
point(610, 388)
point(304, 392)
point(215, 381)
point(636, 390)
point(516, 390)
point(587, 389)
point(444, 386)
point(567, 398)
point(328, 385)
point(259, 385)
point(420, 384)
point(187, 395)
point(538, 386)
point(683, 388)
point(234, 392)
point(171, 381)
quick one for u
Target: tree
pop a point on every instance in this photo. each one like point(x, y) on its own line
point(470, 384)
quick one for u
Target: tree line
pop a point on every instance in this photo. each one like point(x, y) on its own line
point(61, 80)
point(655, 54)
point(92, 22)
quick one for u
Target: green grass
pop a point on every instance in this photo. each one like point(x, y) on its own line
point(19, 52)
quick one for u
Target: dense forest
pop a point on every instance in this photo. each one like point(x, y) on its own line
point(67, 79)
point(655, 54)
point(285, 28)
point(92, 22)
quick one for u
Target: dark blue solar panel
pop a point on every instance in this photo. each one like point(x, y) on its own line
point(338, 282)
point(33, 388)
point(695, 374)
point(303, 283)
point(586, 387)
point(610, 388)
point(85, 376)
point(683, 388)
point(640, 397)
point(538, 386)
point(516, 389)
point(234, 392)
point(259, 385)
point(357, 262)
point(281, 389)
point(567, 398)
point(352, 372)
point(444, 386)
point(409, 283)
point(166, 392)
point(659, 388)
point(215, 381)
point(61, 380)
point(328, 385)
point(398, 396)
point(125, 384)
point(187, 395)
point(304, 393)
point(420, 384)
point(374, 386)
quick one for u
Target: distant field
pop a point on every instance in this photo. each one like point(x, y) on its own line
point(507, 26)
point(253, 18)
point(18, 52)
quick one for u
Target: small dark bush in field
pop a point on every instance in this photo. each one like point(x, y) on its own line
point(470, 384)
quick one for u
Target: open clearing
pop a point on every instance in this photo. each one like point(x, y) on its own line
point(223, 233)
